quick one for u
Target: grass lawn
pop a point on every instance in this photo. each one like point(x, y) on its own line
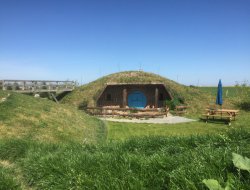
point(136, 163)
point(122, 131)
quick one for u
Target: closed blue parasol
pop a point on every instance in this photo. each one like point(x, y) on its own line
point(219, 99)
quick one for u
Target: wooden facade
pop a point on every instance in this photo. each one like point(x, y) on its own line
point(116, 95)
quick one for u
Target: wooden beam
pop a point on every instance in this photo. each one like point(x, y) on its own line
point(54, 97)
point(156, 97)
point(3, 85)
point(123, 109)
point(124, 98)
point(23, 86)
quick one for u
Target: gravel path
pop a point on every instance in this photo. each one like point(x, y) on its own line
point(168, 120)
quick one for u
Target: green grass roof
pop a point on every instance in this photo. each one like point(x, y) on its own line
point(91, 91)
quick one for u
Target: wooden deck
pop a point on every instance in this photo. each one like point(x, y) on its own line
point(31, 86)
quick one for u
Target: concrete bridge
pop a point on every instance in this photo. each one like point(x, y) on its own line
point(37, 86)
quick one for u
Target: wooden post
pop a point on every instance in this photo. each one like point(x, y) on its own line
point(23, 87)
point(49, 87)
point(14, 86)
point(124, 98)
point(167, 110)
point(66, 84)
point(156, 97)
point(33, 86)
point(3, 85)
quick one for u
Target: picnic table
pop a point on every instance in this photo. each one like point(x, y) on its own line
point(226, 114)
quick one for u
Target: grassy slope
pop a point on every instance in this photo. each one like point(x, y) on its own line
point(24, 116)
point(25, 121)
point(90, 92)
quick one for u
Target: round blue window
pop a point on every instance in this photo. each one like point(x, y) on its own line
point(137, 100)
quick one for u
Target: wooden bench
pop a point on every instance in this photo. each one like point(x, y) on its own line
point(227, 118)
point(179, 110)
point(222, 113)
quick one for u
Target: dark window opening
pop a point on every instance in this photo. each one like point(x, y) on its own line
point(108, 97)
point(161, 97)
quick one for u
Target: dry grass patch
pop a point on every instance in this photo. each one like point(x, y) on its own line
point(6, 163)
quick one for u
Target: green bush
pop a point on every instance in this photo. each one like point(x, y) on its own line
point(83, 105)
point(176, 101)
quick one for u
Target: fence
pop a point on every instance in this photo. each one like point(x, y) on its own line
point(128, 112)
point(28, 86)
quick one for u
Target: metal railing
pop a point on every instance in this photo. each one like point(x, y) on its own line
point(28, 86)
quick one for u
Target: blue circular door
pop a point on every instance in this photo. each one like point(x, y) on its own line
point(137, 100)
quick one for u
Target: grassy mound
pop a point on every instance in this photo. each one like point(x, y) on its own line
point(26, 117)
point(89, 93)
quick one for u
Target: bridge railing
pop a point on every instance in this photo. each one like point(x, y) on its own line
point(36, 85)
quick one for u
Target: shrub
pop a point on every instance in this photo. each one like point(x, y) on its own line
point(174, 102)
point(83, 105)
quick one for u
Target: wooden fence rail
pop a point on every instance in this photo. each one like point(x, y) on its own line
point(124, 109)
point(28, 86)
point(128, 112)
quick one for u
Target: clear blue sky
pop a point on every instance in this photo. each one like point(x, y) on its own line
point(192, 41)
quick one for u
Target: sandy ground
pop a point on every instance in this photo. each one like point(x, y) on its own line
point(167, 120)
